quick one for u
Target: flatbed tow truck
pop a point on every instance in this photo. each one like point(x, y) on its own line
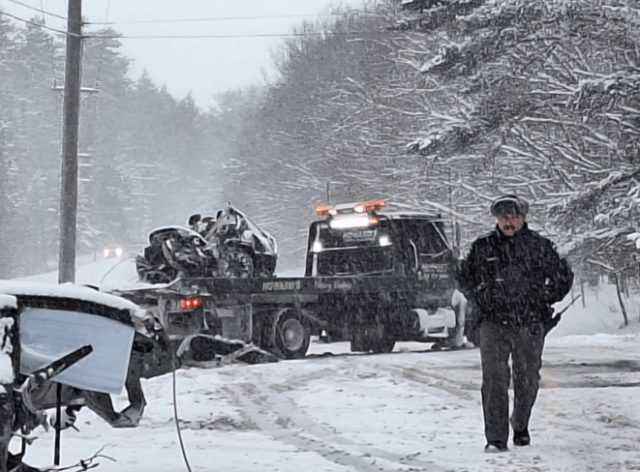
point(371, 277)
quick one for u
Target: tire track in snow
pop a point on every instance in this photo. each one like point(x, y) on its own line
point(277, 414)
point(464, 390)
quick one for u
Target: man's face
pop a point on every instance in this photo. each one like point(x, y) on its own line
point(509, 224)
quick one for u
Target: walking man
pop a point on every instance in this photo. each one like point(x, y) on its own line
point(512, 276)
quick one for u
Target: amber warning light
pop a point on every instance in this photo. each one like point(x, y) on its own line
point(372, 205)
point(190, 303)
point(362, 207)
point(322, 210)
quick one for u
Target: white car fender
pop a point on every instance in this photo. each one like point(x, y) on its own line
point(441, 318)
point(247, 237)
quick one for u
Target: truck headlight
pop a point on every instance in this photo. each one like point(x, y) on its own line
point(384, 240)
point(316, 247)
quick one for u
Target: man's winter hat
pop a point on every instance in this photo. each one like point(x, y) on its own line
point(509, 205)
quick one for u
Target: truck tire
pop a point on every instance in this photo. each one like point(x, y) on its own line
point(292, 335)
point(372, 339)
point(472, 327)
point(459, 330)
point(383, 346)
point(473, 334)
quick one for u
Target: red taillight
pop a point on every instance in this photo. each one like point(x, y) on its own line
point(190, 302)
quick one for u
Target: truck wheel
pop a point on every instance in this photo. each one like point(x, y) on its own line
point(374, 339)
point(292, 335)
point(235, 263)
point(459, 329)
point(383, 346)
point(381, 342)
point(473, 335)
point(471, 328)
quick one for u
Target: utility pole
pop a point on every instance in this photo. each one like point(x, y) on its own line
point(70, 131)
point(69, 169)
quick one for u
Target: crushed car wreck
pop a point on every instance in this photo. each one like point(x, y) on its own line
point(91, 344)
point(227, 245)
point(67, 335)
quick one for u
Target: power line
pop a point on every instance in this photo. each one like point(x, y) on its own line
point(226, 36)
point(36, 24)
point(218, 36)
point(38, 10)
point(221, 18)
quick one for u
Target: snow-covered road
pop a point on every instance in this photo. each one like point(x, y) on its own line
point(404, 411)
point(411, 410)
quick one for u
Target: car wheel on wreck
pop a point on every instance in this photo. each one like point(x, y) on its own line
point(235, 263)
point(264, 265)
point(152, 274)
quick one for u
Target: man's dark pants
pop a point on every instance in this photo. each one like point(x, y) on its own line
point(524, 344)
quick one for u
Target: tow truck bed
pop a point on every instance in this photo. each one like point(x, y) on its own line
point(301, 306)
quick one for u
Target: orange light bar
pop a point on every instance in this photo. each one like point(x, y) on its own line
point(362, 207)
point(371, 205)
point(190, 302)
point(322, 210)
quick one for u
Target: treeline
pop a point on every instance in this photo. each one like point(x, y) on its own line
point(146, 159)
point(445, 105)
point(438, 105)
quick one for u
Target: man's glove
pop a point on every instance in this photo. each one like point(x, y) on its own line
point(551, 323)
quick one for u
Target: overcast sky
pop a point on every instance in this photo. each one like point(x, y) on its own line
point(204, 66)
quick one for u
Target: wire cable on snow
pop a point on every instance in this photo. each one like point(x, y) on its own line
point(174, 363)
point(175, 413)
point(114, 266)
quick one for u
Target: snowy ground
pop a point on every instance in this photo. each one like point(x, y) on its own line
point(411, 410)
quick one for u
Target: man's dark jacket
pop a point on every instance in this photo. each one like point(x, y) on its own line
point(514, 279)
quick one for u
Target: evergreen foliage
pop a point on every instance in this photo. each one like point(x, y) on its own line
point(437, 105)
point(445, 105)
point(145, 157)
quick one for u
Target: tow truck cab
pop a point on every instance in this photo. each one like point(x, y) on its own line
point(360, 239)
point(403, 247)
